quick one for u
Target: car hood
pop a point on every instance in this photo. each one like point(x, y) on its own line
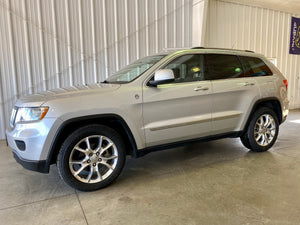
point(39, 99)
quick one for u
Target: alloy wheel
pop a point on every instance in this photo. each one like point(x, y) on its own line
point(264, 130)
point(93, 159)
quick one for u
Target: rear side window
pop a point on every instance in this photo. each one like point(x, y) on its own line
point(254, 67)
point(219, 66)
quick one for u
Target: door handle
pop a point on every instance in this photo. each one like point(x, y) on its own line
point(201, 89)
point(248, 84)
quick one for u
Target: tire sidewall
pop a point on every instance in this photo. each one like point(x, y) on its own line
point(245, 141)
point(73, 139)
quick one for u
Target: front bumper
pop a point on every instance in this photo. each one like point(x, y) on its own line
point(38, 166)
point(28, 142)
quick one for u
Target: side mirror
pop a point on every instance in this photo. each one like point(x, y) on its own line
point(162, 77)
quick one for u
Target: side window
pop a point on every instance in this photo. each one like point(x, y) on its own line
point(254, 67)
point(218, 66)
point(187, 68)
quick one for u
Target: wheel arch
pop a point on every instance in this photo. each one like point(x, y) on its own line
point(272, 103)
point(111, 120)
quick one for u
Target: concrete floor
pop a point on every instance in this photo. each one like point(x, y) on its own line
point(217, 182)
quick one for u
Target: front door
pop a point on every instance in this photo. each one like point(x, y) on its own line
point(180, 110)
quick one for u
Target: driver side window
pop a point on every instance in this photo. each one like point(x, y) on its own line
point(187, 68)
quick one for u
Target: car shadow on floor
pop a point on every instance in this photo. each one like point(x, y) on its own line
point(190, 158)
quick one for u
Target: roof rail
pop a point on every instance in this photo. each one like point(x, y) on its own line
point(198, 48)
point(224, 49)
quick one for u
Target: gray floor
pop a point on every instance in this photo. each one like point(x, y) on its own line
point(217, 182)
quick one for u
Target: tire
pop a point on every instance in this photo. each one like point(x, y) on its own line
point(91, 158)
point(245, 141)
point(262, 131)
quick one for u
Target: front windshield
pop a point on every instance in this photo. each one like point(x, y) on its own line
point(133, 70)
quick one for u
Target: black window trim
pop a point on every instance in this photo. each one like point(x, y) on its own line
point(209, 53)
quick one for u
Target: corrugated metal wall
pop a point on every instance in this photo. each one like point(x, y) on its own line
point(265, 31)
point(46, 44)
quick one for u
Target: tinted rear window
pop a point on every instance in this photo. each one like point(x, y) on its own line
point(254, 67)
point(219, 66)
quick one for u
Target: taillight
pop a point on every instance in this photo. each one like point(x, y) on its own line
point(286, 83)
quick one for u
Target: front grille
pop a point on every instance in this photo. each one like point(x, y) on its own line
point(13, 116)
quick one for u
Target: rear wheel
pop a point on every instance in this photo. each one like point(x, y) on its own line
point(262, 131)
point(91, 158)
point(245, 141)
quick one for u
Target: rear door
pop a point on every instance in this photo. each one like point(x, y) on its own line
point(232, 93)
point(256, 71)
point(179, 110)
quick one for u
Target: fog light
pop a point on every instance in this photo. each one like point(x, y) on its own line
point(21, 145)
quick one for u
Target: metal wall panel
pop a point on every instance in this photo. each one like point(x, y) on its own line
point(57, 43)
point(265, 31)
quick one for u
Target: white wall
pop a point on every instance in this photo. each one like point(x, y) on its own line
point(231, 25)
point(200, 9)
point(57, 43)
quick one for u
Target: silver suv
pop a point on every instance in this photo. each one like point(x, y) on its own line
point(155, 103)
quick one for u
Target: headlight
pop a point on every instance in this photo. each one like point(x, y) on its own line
point(28, 114)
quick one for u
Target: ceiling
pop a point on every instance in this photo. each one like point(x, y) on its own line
point(291, 6)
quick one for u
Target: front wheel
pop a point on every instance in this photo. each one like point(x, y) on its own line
point(91, 158)
point(263, 130)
